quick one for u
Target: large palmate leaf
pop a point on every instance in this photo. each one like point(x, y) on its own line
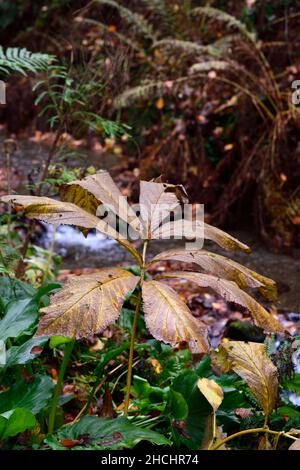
point(103, 434)
point(251, 362)
point(224, 267)
point(97, 189)
point(155, 205)
point(232, 293)
point(191, 229)
point(169, 319)
point(87, 304)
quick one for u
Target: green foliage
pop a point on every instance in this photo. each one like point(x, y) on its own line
point(33, 397)
point(20, 60)
point(66, 96)
point(104, 434)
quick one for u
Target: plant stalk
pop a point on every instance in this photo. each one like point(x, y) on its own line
point(58, 387)
point(249, 431)
point(134, 328)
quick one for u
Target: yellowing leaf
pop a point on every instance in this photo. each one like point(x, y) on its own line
point(212, 392)
point(251, 362)
point(160, 103)
point(87, 304)
point(295, 445)
point(224, 267)
point(59, 212)
point(232, 293)
point(169, 319)
point(102, 188)
point(155, 204)
point(187, 229)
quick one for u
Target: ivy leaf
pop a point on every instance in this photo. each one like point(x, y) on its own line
point(230, 291)
point(169, 319)
point(251, 362)
point(87, 304)
point(223, 267)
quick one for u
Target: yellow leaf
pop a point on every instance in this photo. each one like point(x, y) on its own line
point(169, 319)
point(251, 362)
point(155, 204)
point(295, 445)
point(223, 267)
point(212, 392)
point(224, 240)
point(232, 293)
point(87, 304)
point(160, 103)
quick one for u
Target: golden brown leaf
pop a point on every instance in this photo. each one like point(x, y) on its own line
point(59, 213)
point(224, 267)
point(295, 445)
point(170, 320)
point(99, 188)
point(212, 392)
point(155, 205)
point(87, 304)
point(232, 293)
point(187, 230)
point(251, 362)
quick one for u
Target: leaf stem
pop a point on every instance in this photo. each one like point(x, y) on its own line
point(58, 387)
point(133, 333)
point(249, 431)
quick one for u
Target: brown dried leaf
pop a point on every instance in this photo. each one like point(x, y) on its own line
point(97, 189)
point(251, 362)
point(186, 229)
point(59, 212)
point(170, 320)
point(155, 204)
point(87, 304)
point(232, 293)
point(224, 267)
point(295, 445)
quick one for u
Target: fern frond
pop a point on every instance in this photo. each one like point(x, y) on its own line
point(229, 20)
point(19, 60)
point(135, 19)
point(187, 46)
point(138, 93)
point(208, 66)
point(147, 91)
point(103, 28)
